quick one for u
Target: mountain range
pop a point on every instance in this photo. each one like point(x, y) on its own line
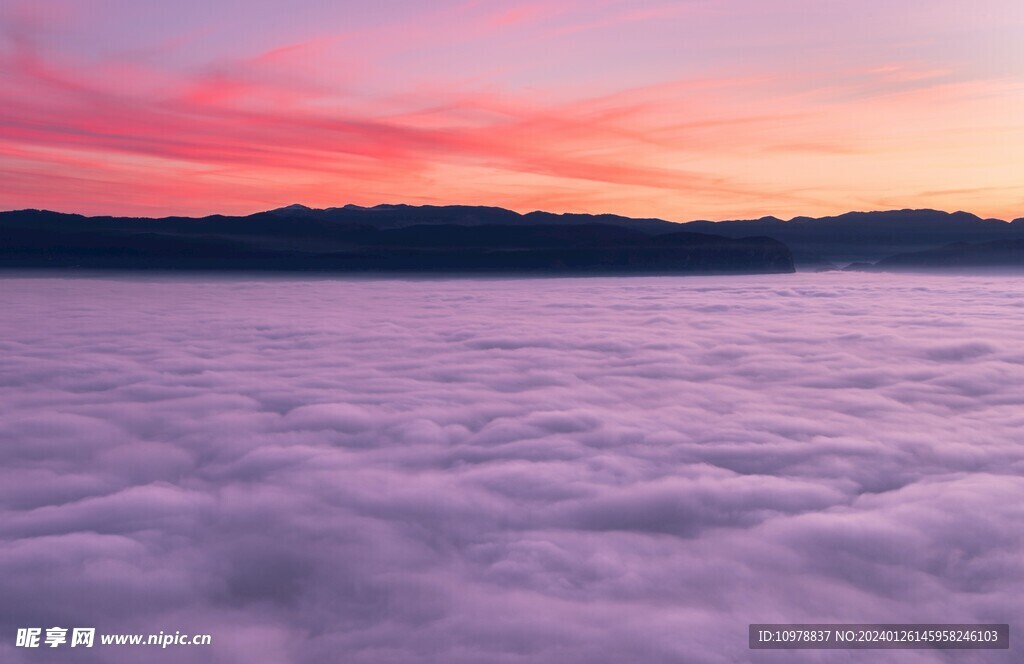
point(490, 239)
point(409, 240)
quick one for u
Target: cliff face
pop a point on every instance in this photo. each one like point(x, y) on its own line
point(270, 242)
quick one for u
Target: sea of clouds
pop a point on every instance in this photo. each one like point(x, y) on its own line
point(497, 471)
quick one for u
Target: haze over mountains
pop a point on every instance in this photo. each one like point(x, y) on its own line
point(489, 239)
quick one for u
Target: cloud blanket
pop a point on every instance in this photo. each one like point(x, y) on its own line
point(505, 471)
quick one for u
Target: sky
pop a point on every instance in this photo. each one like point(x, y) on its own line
point(683, 110)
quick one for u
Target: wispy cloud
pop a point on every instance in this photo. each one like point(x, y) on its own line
point(341, 111)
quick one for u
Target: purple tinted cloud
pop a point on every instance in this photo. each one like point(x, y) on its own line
point(571, 470)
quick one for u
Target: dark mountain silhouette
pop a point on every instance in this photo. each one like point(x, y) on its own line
point(396, 216)
point(332, 238)
point(867, 236)
point(297, 238)
point(998, 255)
point(815, 242)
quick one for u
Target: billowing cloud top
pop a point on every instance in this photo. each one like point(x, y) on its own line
point(576, 470)
point(679, 109)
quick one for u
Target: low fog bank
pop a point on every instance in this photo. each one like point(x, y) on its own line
point(572, 471)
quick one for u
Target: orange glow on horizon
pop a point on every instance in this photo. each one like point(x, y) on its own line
point(325, 118)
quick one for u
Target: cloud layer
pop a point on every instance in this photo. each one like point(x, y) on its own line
point(570, 470)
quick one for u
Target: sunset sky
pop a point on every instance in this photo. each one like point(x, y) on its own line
point(683, 110)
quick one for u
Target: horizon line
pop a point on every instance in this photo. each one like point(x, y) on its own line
point(521, 214)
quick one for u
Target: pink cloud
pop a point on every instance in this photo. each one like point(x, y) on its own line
point(330, 116)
